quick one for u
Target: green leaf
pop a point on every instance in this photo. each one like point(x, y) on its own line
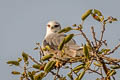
point(21, 78)
point(33, 72)
point(19, 59)
point(70, 75)
point(16, 63)
point(105, 51)
point(80, 76)
point(62, 78)
point(114, 19)
point(25, 56)
point(97, 12)
point(74, 25)
point(98, 79)
point(86, 14)
point(49, 66)
point(111, 72)
point(111, 19)
point(15, 73)
point(30, 75)
point(65, 40)
point(81, 66)
point(38, 44)
point(115, 67)
point(47, 57)
point(67, 29)
point(47, 47)
point(68, 38)
point(36, 48)
point(39, 76)
point(36, 66)
point(85, 50)
point(80, 27)
point(97, 64)
point(89, 47)
point(60, 47)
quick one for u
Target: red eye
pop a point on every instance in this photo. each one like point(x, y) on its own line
point(48, 25)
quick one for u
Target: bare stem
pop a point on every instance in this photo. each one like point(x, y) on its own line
point(85, 37)
point(109, 58)
point(41, 51)
point(102, 32)
point(101, 37)
point(115, 48)
point(55, 78)
point(33, 60)
point(95, 71)
point(101, 72)
point(26, 77)
point(55, 74)
point(93, 34)
point(101, 60)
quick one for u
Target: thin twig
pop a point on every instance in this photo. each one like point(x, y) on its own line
point(109, 58)
point(112, 63)
point(26, 77)
point(55, 74)
point(101, 60)
point(95, 71)
point(33, 60)
point(101, 37)
point(113, 77)
point(77, 34)
point(105, 43)
point(101, 72)
point(93, 33)
point(71, 71)
point(102, 32)
point(41, 50)
point(55, 78)
point(85, 37)
point(115, 49)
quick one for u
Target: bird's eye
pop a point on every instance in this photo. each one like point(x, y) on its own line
point(56, 26)
point(48, 25)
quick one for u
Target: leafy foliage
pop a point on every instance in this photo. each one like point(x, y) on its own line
point(95, 55)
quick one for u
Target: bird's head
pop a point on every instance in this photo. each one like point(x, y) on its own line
point(53, 27)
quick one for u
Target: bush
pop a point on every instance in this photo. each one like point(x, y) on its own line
point(96, 54)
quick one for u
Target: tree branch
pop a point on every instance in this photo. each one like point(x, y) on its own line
point(34, 60)
point(115, 49)
point(93, 34)
point(85, 37)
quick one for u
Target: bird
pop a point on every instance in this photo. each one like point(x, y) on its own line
point(53, 39)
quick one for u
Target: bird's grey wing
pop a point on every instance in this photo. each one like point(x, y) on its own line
point(48, 42)
point(54, 41)
point(71, 48)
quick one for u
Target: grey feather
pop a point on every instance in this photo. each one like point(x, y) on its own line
point(54, 40)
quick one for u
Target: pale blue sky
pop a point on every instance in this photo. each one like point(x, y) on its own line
point(23, 23)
